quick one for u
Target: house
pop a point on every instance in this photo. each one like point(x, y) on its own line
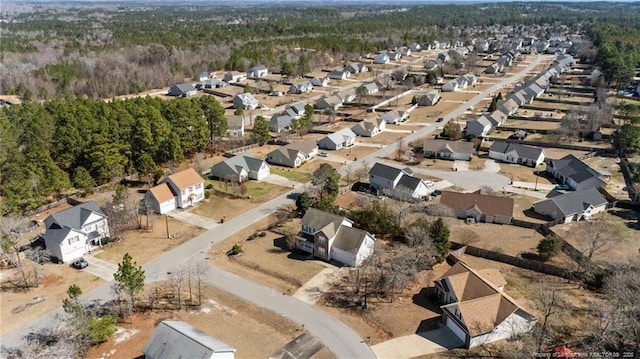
point(204, 75)
point(381, 58)
point(176, 339)
point(257, 71)
point(240, 168)
point(404, 51)
point(71, 233)
point(371, 88)
point(428, 98)
point(332, 102)
point(394, 116)
point(480, 127)
point(475, 307)
point(356, 67)
point(369, 127)
point(333, 238)
point(337, 140)
point(480, 207)
point(294, 154)
point(301, 87)
point(235, 126)
point(235, 76)
point(415, 47)
point(451, 86)
point(572, 206)
point(187, 186)
point(182, 90)
point(575, 173)
point(448, 150)
point(444, 57)
point(245, 101)
point(433, 64)
point(339, 74)
point(517, 153)
point(387, 179)
point(481, 46)
point(280, 122)
point(470, 78)
point(211, 84)
point(497, 118)
point(493, 68)
point(508, 106)
point(320, 81)
point(160, 199)
point(394, 55)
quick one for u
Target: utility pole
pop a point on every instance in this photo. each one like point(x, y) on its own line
point(536, 186)
point(166, 221)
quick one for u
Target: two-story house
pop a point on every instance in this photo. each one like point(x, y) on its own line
point(388, 180)
point(179, 190)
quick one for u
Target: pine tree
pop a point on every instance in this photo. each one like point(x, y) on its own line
point(439, 233)
point(129, 278)
point(548, 247)
point(260, 132)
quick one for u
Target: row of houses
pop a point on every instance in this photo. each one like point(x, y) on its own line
point(460, 83)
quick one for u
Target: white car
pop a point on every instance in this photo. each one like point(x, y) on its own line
point(428, 183)
point(323, 154)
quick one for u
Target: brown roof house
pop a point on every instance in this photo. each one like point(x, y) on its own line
point(179, 190)
point(448, 150)
point(294, 154)
point(475, 308)
point(479, 207)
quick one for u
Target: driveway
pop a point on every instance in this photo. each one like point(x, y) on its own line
point(100, 268)
point(415, 345)
point(313, 289)
point(460, 165)
point(281, 181)
point(491, 166)
point(193, 219)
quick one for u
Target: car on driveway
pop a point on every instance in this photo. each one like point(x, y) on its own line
point(79, 263)
point(428, 183)
point(563, 187)
point(323, 154)
point(436, 193)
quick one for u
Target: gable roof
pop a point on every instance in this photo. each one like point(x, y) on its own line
point(576, 201)
point(161, 192)
point(234, 122)
point(523, 151)
point(239, 162)
point(306, 146)
point(571, 167)
point(408, 183)
point(368, 125)
point(449, 146)
point(385, 171)
point(186, 178)
point(486, 204)
point(349, 239)
point(321, 220)
point(76, 216)
point(176, 339)
point(184, 88)
point(341, 135)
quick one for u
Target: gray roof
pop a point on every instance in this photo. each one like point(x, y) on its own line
point(384, 171)
point(349, 239)
point(239, 162)
point(318, 219)
point(571, 167)
point(576, 201)
point(76, 216)
point(278, 122)
point(339, 136)
point(450, 146)
point(175, 339)
point(523, 151)
point(408, 183)
point(184, 88)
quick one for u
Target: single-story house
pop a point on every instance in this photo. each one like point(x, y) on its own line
point(414, 46)
point(451, 86)
point(182, 90)
point(480, 127)
point(339, 74)
point(258, 71)
point(356, 67)
point(176, 339)
point(497, 118)
point(475, 307)
point(245, 101)
point(381, 58)
point(332, 102)
point(337, 140)
point(433, 64)
point(320, 81)
point(493, 68)
point(387, 179)
point(371, 88)
point(71, 233)
point(301, 87)
point(240, 168)
point(428, 98)
point(394, 55)
point(294, 154)
point(235, 76)
point(517, 153)
point(204, 75)
point(404, 51)
point(280, 122)
point(578, 175)
point(449, 150)
point(480, 207)
point(369, 127)
point(572, 206)
point(211, 84)
point(394, 116)
point(470, 78)
point(333, 238)
point(508, 106)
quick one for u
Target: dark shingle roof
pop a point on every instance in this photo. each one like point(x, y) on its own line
point(408, 183)
point(75, 217)
point(175, 339)
point(572, 167)
point(384, 171)
point(523, 151)
point(576, 202)
point(349, 239)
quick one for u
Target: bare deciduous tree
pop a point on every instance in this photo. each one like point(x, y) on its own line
point(599, 236)
point(10, 227)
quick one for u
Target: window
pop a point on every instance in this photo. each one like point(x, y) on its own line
point(321, 251)
point(199, 185)
point(74, 239)
point(322, 239)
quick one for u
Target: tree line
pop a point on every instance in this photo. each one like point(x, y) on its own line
point(47, 149)
point(618, 52)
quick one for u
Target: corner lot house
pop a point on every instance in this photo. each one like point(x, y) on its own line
point(572, 206)
point(182, 90)
point(387, 179)
point(69, 234)
point(476, 309)
point(575, 173)
point(240, 168)
point(176, 339)
point(369, 127)
point(187, 188)
point(333, 238)
point(516, 153)
point(337, 140)
point(294, 154)
point(480, 207)
point(448, 150)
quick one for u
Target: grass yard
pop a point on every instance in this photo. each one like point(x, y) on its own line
point(264, 262)
point(254, 332)
point(522, 173)
point(294, 174)
point(20, 307)
point(145, 245)
point(258, 191)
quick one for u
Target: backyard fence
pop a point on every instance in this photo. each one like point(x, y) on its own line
point(234, 151)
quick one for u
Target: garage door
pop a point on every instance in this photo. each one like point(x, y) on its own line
point(456, 329)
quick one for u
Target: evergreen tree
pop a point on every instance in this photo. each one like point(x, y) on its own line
point(548, 247)
point(303, 202)
point(328, 180)
point(260, 131)
point(439, 233)
point(129, 278)
point(82, 180)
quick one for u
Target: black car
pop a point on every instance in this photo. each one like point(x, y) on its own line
point(79, 263)
point(440, 119)
point(436, 193)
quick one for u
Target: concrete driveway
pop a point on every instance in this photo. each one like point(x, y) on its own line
point(491, 166)
point(415, 345)
point(100, 268)
point(313, 289)
point(461, 165)
point(194, 219)
point(281, 181)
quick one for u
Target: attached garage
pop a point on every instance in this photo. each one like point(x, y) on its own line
point(455, 329)
point(160, 199)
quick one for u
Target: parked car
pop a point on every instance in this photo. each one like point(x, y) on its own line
point(276, 93)
point(440, 119)
point(428, 183)
point(323, 154)
point(79, 263)
point(563, 187)
point(436, 193)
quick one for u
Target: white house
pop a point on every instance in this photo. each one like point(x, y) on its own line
point(240, 168)
point(258, 71)
point(301, 87)
point(388, 180)
point(394, 116)
point(176, 339)
point(337, 140)
point(381, 58)
point(476, 309)
point(160, 199)
point(245, 101)
point(451, 86)
point(450, 150)
point(333, 238)
point(235, 76)
point(370, 127)
point(182, 90)
point(339, 74)
point(235, 126)
point(71, 233)
point(480, 127)
point(516, 153)
point(320, 81)
point(187, 186)
point(578, 175)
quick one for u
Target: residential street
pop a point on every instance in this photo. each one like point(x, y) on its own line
point(340, 339)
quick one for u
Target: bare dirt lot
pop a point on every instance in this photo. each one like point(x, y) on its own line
point(610, 164)
point(23, 306)
point(533, 125)
point(254, 332)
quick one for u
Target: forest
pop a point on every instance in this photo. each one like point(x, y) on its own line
point(48, 149)
point(101, 52)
